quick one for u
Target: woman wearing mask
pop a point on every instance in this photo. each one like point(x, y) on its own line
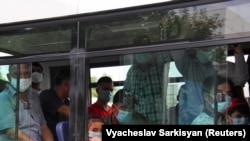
point(237, 113)
point(217, 92)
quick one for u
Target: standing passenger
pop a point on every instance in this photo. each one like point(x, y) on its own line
point(54, 101)
point(198, 64)
point(145, 81)
point(217, 93)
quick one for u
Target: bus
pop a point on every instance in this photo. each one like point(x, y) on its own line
point(108, 43)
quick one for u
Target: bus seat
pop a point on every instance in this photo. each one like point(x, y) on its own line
point(62, 131)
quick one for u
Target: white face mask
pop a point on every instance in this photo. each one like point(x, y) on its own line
point(24, 83)
point(37, 77)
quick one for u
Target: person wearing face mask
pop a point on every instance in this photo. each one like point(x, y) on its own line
point(104, 94)
point(55, 102)
point(200, 63)
point(95, 128)
point(145, 81)
point(217, 92)
point(123, 112)
point(238, 113)
point(37, 77)
point(31, 118)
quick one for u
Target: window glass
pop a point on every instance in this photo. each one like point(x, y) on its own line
point(37, 40)
point(179, 86)
point(206, 22)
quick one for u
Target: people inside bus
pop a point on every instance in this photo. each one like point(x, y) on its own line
point(31, 120)
point(123, 112)
point(55, 102)
point(145, 81)
point(238, 113)
point(196, 65)
point(37, 77)
point(104, 91)
point(217, 92)
point(95, 128)
point(8, 115)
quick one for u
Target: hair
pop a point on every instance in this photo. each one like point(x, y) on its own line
point(118, 97)
point(125, 98)
point(104, 79)
point(62, 75)
point(92, 119)
point(213, 81)
point(11, 65)
point(234, 44)
point(243, 109)
point(37, 65)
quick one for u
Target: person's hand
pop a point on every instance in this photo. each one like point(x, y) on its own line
point(95, 139)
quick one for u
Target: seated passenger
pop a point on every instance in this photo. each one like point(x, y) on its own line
point(217, 98)
point(95, 128)
point(123, 112)
point(31, 120)
point(54, 101)
point(104, 93)
point(237, 113)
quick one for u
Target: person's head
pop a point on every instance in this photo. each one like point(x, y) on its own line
point(21, 72)
point(217, 91)
point(238, 113)
point(104, 89)
point(37, 72)
point(142, 58)
point(234, 45)
point(95, 127)
point(62, 81)
point(211, 54)
point(123, 104)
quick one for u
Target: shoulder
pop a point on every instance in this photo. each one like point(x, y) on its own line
point(203, 118)
point(8, 90)
point(47, 92)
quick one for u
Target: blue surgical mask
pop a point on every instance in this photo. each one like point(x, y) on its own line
point(222, 106)
point(203, 56)
point(240, 121)
point(124, 117)
point(105, 96)
point(143, 58)
point(95, 134)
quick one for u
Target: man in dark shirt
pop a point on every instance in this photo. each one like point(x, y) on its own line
point(55, 102)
